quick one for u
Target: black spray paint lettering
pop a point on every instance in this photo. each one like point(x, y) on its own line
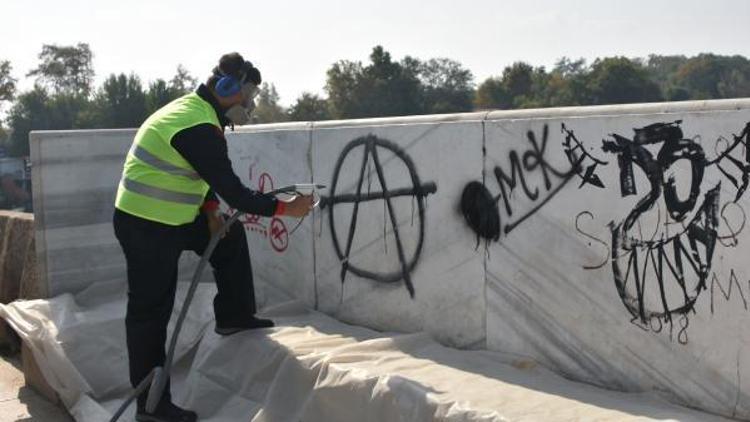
point(694, 245)
point(727, 159)
point(592, 238)
point(730, 240)
point(483, 216)
point(727, 294)
point(572, 146)
point(371, 145)
point(674, 148)
point(657, 324)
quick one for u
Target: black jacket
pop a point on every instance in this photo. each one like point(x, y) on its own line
point(205, 148)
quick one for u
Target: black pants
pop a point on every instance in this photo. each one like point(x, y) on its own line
point(152, 251)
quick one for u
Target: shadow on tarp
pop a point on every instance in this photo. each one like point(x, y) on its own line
point(316, 368)
point(284, 375)
point(519, 371)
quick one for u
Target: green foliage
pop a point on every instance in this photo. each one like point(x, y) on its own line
point(309, 107)
point(267, 108)
point(182, 82)
point(611, 80)
point(517, 79)
point(568, 84)
point(4, 135)
point(65, 69)
point(735, 83)
point(119, 103)
point(520, 86)
point(38, 110)
point(7, 82)
point(709, 76)
point(447, 87)
point(64, 97)
point(619, 80)
point(382, 88)
point(662, 70)
point(160, 92)
point(492, 94)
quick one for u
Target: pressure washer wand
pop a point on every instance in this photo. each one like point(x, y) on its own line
point(159, 376)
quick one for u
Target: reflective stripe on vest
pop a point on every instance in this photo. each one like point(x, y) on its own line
point(154, 161)
point(163, 194)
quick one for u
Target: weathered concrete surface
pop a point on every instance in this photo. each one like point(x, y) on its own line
point(17, 233)
point(19, 402)
point(19, 277)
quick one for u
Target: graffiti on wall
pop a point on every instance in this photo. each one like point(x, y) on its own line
point(373, 148)
point(480, 207)
point(271, 228)
point(658, 275)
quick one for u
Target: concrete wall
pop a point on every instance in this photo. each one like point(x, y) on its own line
point(19, 277)
point(605, 242)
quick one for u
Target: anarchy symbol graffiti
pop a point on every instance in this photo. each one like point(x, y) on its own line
point(418, 190)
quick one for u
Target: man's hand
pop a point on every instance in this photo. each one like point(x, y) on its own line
point(215, 222)
point(299, 206)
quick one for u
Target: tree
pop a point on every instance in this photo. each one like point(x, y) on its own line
point(182, 82)
point(37, 110)
point(735, 83)
point(618, 80)
point(7, 82)
point(567, 84)
point(160, 92)
point(662, 70)
point(119, 103)
point(700, 76)
point(65, 69)
point(492, 94)
point(447, 87)
point(158, 95)
point(393, 88)
point(4, 138)
point(268, 109)
point(309, 107)
point(382, 88)
point(518, 79)
point(345, 91)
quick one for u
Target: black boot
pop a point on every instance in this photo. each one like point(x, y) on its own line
point(251, 323)
point(166, 411)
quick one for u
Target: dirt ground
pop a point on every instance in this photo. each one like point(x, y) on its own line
point(21, 403)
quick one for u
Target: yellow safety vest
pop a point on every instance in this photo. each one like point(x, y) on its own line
point(157, 183)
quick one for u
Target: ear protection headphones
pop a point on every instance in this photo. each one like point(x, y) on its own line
point(229, 85)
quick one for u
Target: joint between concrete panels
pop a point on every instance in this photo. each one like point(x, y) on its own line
point(311, 129)
point(484, 256)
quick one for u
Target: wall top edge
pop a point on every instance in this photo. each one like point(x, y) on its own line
point(44, 134)
point(556, 112)
point(624, 109)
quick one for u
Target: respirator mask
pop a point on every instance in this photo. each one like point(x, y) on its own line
point(230, 85)
point(239, 114)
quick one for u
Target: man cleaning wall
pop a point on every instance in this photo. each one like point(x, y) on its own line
point(166, 203)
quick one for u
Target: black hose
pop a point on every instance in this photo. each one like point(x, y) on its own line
point(162, 376)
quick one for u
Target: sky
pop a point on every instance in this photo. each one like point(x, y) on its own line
point(293, 43)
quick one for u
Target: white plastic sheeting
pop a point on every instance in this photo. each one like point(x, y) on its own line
point(310, 368)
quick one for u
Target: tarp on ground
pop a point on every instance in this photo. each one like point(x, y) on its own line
point(309, 368)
